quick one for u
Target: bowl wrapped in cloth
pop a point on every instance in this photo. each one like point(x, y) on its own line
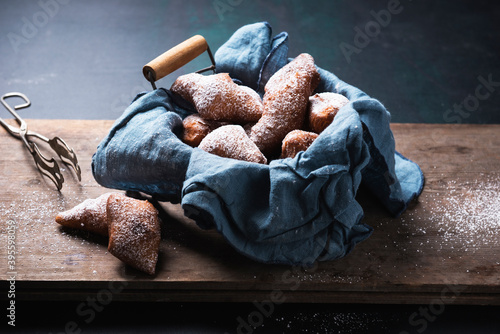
point(291, 211)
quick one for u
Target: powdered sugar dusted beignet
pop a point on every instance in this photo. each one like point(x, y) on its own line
point(217, 97)
point(90, 215)
point(285, 103)
point(134, 232)
point(231, 141)
point(196, 128)
point(296, 141)
point(322, 109)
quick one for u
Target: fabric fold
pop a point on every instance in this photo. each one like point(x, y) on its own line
point(142, 151)
point(276, 209)
point(388, 181)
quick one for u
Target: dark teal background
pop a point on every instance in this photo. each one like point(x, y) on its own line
point(85, 58)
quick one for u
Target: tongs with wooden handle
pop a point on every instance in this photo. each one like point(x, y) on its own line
point(177, 57)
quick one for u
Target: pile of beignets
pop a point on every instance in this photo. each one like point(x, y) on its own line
point(233, 121)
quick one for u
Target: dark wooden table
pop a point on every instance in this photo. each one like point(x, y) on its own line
point(444, 247)
point(84, 62)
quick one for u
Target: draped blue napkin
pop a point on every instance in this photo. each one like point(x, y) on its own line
point(292, 211)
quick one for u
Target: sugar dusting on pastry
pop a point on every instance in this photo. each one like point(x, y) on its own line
point(217, 97)
point(296, 141)
point(134, 232)
point(132, 226)
point(285, 102)
point(196, 128)
point(231, 141)
point(265, 121)
point(323, 108)
point(90, 215)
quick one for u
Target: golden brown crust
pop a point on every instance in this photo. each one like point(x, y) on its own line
point(134, 232)
point(231, 141)
point(196, 128)
point(285, 102)
point(296, 141)
point(322, 109)
point(217, 97)
point(90, 215)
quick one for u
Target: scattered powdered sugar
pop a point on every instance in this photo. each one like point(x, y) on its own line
point(41, 243)
point(456, 222)
point(331, 321)
point(469, 215)
point(327, 276)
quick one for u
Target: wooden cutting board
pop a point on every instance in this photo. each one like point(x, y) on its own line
point(444, 249)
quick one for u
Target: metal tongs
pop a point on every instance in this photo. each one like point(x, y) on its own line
point(47, 167)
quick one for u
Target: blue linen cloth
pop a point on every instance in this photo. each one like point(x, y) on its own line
point(292, 211)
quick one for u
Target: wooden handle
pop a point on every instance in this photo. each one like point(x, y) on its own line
point(174, 58)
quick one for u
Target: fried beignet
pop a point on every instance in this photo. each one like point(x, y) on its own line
point(217, 97)
point(196, 128)
point(231, 141)
point(285, 103)
point(296, 141)
point(322, 109)
point(132, 226)
point(134, 232)
point(90, 215)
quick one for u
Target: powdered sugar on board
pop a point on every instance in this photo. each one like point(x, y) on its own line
point(468, 216)
point(452, 229)
point(42, 245)
point(313, 319)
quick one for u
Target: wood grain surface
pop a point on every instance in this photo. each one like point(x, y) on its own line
point(443, 249)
